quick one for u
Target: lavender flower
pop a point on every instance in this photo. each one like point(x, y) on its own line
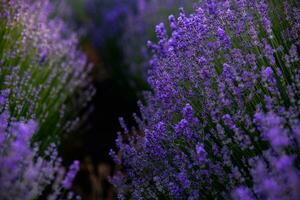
point(23, 173)
point(67, 183)
point(226, 90)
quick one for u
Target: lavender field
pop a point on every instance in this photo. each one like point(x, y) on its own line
point(149, 99)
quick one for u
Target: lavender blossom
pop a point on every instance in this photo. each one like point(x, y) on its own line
point(225, 88)
point(67, 183)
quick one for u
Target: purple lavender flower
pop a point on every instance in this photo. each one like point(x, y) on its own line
point(67, 182)
point(201, 153)
point(229, 66)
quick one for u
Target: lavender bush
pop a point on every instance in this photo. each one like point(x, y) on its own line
point(222, 121)
point(41, 69)
point(41, 74)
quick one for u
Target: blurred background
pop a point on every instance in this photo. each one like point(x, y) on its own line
point(113, 35)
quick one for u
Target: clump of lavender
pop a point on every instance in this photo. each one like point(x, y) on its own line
point(222, 121)
point(41, 70)
point(139, 29)
point(24, 175)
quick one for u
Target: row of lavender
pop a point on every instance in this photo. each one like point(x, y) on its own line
point(222, 121)
point(41, 72)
